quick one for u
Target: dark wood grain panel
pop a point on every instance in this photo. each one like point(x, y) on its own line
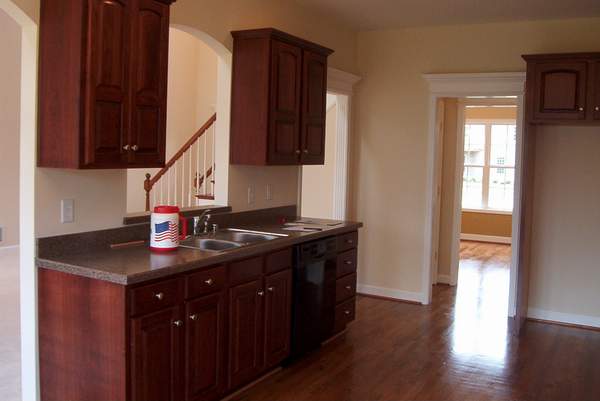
point(154, 297)
point(279, 260)
point(205, 282)
point(246, 270)
point(344, 314)
point(347, 241)
point(345, 288)
point(314, 87)
point(278, 310)
point(82, 338)
point(595, 90)
point(346, 263)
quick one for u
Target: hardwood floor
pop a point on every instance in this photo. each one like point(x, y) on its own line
point(457, 348)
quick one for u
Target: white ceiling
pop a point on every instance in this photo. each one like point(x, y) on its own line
point(388, 14)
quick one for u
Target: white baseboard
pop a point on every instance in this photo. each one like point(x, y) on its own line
point(6, 248)
point(486, 238)
point(389, 293)
point(568, 318)
point(444, 279)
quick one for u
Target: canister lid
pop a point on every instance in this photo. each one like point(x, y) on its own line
point(166, 209)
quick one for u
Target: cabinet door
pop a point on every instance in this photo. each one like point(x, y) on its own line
point(284, 124)
point(314, 95)
point(107, 88)
point(246, 303)
point(596, 91)
point(155, 356)
point(278, 308)
point(560, 91)
point(149, 57)
point(205, 348)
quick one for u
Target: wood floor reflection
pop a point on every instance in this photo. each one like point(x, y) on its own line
point(457, 348)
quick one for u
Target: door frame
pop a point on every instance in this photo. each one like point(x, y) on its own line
point(460, 86)
point(341, 84)
point(27, 176)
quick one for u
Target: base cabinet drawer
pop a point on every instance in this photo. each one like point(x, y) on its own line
point(344, 314)
point(346, 263)
point(345, 288)
point(154, 297)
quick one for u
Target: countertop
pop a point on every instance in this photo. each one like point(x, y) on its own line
point(137, 264)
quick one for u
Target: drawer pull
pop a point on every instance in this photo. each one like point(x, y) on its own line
point(348, 262)
point(159, 296)
point(261, 293)
point(209, 281)
point(347, 312)
point(581, 109)
point(193, 317)
point(178, 323)
point(597, 108)
point(349, 242)
point(271, 289)
point(348, 287)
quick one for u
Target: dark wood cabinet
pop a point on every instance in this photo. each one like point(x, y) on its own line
point(563, 88)
point(205, 345)
point(246, 306)
point(278, 309)
point(278, 105)
point(156, 356)
point(103, 83)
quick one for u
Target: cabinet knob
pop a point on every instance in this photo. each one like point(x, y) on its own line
point(348, 287)
point(347, 312)
point(126, 147)
point(271, 289)
point(597, 108)
point(159, 296)
point(209, 281)
point(178, 323)
point(348, 262)
point(135, 148)
point(305, 150)
point(581, 109)
point(297, 151)
point(261, 293)
point(193, 317)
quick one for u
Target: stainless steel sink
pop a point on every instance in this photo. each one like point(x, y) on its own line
point(248, 236)
point(209, 244)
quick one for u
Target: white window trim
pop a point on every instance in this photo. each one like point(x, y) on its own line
point(487, 165)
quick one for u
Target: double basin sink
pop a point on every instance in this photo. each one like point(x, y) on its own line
point(227, 239)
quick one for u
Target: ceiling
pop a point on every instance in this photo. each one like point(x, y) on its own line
point(389, 14)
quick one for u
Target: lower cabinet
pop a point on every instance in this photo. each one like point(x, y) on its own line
point(205, 345)
point(156, 344)
point(278, 317)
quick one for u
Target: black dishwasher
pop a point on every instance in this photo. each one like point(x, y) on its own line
point(313, 305)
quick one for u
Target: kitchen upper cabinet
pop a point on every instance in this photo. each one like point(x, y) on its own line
point(103, 83)
point(246, 307)
point(156, 341)
point(278, 309)
point(205, 354)
point(563, 88)
point(279, 87)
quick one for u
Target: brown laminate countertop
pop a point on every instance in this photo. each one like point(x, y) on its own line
point(137, 264)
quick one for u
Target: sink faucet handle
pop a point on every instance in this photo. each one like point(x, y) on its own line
point(215, 228)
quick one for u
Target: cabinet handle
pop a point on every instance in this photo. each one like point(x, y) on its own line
point(261, 293)
point(297, 151)
point(271, 289)
point(347, 312)
point(348, 262)
point(178, 323)
point(209, 281)
point(581, 109)
point(193, 317)
point(159, 296)
point(126, 147)
point(348, 287)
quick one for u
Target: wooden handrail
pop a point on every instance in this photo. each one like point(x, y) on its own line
point(150, 181)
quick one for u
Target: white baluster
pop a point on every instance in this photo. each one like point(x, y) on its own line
point(190, 176)
point(197, 169)
point(214, 164)
point(204, 165)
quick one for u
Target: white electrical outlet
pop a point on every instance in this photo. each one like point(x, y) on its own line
point(67, 212)
point(269, 195)
point(251, 195)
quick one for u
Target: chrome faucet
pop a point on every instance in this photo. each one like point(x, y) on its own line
point(198, 220)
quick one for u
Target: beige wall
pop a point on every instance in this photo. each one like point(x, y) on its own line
point(491, 113)
point(499, 225)
point(391, 120)
point(10, 81)
point(318, 181)
point(216, 18)
point(191, 98)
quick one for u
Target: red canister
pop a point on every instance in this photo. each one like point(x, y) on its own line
point(164, 228)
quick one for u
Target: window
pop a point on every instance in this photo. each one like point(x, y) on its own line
point(489, 165)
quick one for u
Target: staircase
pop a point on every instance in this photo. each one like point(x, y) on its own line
point(188, 177)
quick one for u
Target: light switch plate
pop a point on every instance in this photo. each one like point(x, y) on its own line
point(269, 195)
point(251, 195)
point(1, 234)
point(67, 212)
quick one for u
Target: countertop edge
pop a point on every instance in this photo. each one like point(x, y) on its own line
point(218, 258)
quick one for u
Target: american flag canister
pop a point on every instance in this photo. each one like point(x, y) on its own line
point(164, 228)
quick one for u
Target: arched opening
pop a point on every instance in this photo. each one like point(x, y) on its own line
point(197, 165)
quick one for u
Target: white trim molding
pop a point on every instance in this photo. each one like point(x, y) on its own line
point(339, 81)
point(496, 239)
point(466, 86)
point(8, 247)
point(566, 318)
point(444, 279)
point(389, 293)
